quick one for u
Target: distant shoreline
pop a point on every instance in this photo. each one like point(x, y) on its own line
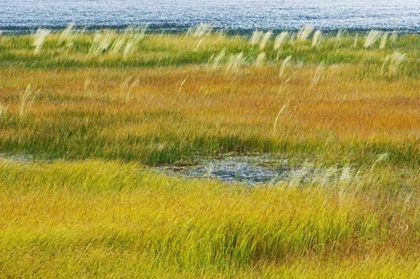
point(176, 29)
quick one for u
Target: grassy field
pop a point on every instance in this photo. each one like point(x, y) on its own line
point(84, 118)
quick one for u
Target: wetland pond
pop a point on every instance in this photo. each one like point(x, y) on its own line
point(258, 169)
point(254, 169)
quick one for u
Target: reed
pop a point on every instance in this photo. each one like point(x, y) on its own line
point(26, 97)
point(280, 39)
point(371, 37)
point(200, 30)
point(392, 63)
point(260, 60)
point(67, 35)
point(316, 40)
point(39, 38)
point(265, 39)
point(236, 61)
point(256, 37)
point(383, 41)
point(304, 33)
point(284, 65)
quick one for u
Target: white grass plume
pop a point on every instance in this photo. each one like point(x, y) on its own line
point(384, 38)
point(133, 84)
point(216, 61)
point(318, 73)
point(394, 36)
point(26, 97)
point(355, 41)
point(3, 109)
point(280, 38)
point(305, 32)
point(265, 39)
point(282, 109)
point(128, 49)
point(283, 65)
point(200, 30)
point(371, 38)
point(235, 61)
point(101, 42)
point(339, 38)
point(256, 37)
point(392, 63)
point(197, 46)
point(39, 38)
point(316, 39)
point(260, 59)
point(117, 45)
point(66, 35)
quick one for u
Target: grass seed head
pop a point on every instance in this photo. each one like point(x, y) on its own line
point(305, 32)
point(256, 37)
point(371, 37)
point(265, 39)
point(280, 38)
point(39, 38)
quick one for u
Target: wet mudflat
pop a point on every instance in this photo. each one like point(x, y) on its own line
point(258, 169)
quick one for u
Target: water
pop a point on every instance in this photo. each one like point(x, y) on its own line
point(27, 15)
point(261, 169)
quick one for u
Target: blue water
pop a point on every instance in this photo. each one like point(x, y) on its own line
point(27, 15)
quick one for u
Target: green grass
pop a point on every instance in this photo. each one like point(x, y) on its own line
point(94, 218)
point(81, 128)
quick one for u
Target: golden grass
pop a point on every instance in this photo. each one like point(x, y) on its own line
point(92, 218)
point(98, 210)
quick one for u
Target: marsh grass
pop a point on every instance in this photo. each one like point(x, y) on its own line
point(91, 213)
point(113, 104)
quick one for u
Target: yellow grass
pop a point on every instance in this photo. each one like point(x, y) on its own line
point(89, 204)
